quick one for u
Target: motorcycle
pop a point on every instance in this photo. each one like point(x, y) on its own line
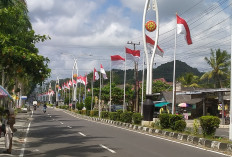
point(44, 110)
point(34, 107)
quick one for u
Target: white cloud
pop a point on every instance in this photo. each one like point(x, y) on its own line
point(43, 5)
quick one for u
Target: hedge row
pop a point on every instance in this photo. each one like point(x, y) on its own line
point(126, 117)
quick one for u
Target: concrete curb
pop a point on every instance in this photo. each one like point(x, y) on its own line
point(215, 145)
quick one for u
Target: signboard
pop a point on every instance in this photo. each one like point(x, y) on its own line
point(23, 97)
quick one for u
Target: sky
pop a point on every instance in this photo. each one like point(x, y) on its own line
point(93, 30)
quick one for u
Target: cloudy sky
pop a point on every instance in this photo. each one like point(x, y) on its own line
point(93, 30)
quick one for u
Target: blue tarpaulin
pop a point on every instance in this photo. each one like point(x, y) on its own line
point(161, 104)
point(4, 93)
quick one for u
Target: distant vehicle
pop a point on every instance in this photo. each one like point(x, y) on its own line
point(115, 108)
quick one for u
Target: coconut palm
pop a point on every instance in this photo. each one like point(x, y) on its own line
point(219, 61)
point(189, 80)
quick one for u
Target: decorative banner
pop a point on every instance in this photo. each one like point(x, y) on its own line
point(150, 26)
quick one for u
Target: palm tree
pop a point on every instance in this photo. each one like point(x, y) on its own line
point(219, 61)
point(189, 80)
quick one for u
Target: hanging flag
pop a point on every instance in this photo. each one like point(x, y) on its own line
point(117, 60)
point(102, 70)
point(83, 80)
point(182, 28)
point(88, 90)
point(59, 88)
point(95, 75)
point(70, 83)
point(150, 44)
point(132, 54)
point(74, 82)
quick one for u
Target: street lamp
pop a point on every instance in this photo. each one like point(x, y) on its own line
point(148, 104)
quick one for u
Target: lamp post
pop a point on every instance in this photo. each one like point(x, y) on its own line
point(57, 91)
point(74, 77)
point(148, 104)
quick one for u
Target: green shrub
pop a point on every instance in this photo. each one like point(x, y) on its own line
point(209, 124)
point(87, 112)
point(79, 106)
point(79, 111)
point(104, 114)
point(113, 116)
point(180, 125)
point(173, 118)
point(164, 120)
point(196, 127)
point(126, 117)
point(94, 113)
point(137, 118)
point(83, 112)
point(119, 112)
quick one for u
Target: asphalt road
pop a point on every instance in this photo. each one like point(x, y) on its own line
point(58, 134)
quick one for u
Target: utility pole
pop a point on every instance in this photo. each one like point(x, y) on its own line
point(136, 85)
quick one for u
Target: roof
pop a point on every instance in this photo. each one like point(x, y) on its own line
point(180, 98)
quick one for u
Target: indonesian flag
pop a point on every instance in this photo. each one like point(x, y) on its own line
point(150, 43)
point(67, 84)
point(182, 28)
point(88, 90)
point(70, 83)
point(132, 54)
point(83, 80)
point(59, 88)
point(74, 82)
point(95, 75)
point(102, 70)
point(117, 60)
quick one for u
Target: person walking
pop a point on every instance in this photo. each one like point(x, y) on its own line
point(164, 109)
point(6, 122)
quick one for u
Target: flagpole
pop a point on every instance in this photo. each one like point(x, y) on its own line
point(85, 87)
point(142, 87)
point(80, 93)
point(92, 94)
point(99, 103)
point(110, 83)
point(174, 77)
point(230, 130)
point(124, 97)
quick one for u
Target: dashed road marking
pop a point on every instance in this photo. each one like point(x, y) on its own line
point(69, 127)
point(112, 151)
point(81, 134)
point(61, 123)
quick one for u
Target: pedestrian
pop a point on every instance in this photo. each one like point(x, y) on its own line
point(164, 109)
point(6, 122)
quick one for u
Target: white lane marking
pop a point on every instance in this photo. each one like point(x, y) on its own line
point(61, 123)
point(32, 114)
point(50, 116)
point(156, 137)
point(53, 119)
point(81, 134)
point(25, 140)
point(112, 151)
point(69, 127)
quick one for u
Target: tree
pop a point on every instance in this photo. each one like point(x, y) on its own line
point(219, 61)
point(189, 80)
point(20, 61)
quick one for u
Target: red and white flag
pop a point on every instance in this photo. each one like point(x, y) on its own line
point(150, 43)
point(74, 82)
point(102, 70)
point(84, 80)
point(182, 28)
point(117, 60)
point(70, 83)
point(132, 54)
point(95, 75)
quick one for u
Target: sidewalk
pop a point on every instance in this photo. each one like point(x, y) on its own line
point(190, 124)
point(21, 124)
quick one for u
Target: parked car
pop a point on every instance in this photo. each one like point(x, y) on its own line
point(115, 108)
